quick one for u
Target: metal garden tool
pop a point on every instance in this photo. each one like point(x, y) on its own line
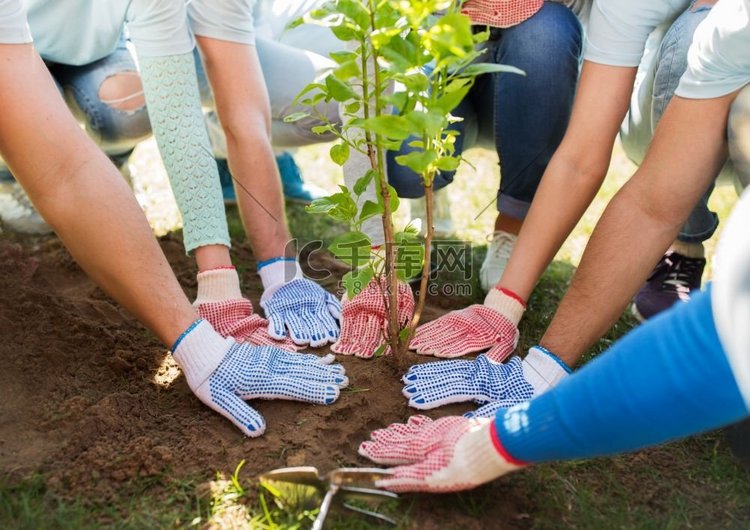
point(298, 487)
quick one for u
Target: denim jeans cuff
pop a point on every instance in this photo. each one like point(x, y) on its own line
point(6, 175)
point(512, 207)
point(699, 237)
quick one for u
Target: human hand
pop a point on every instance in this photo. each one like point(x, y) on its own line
point(490, 325)
point(364, 320)
point(223, 374)
point(304, 308)
point(220, 302)
point(445, 455)
point(483, 380)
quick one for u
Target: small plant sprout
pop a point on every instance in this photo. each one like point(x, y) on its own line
point(404, 67)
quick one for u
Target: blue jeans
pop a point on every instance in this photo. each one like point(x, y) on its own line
point(117, 132)
point(524, 118)
point(660, 74)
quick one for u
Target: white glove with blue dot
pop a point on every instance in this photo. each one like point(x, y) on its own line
point(482, 380)
point(303, 307)
point(224, 373)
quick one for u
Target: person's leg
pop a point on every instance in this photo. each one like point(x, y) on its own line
point(106, 96)
point(679, 271)
point(286, 71)
point(530, 115)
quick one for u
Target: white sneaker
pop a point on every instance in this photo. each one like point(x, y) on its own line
point(498, 254)
point(17, 213)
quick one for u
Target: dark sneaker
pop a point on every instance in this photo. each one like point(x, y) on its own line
point(673, 279)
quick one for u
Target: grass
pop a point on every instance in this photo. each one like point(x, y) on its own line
point(689, 484)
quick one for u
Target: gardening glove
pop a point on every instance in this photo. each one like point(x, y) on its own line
point(224, 373)
point(445, 455)
point(483, 380)
point(500, 13)
point(220, 302)
point(364, 320)
point(492, 325)
point(292, 302)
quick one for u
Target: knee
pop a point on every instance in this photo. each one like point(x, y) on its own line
point(552, 34)
point(123, 91)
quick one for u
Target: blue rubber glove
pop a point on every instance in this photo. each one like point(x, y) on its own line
point(307, 310)
point(482, 380)
point(224, 373)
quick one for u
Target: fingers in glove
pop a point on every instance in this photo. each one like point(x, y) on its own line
point(333, 305)
point(429, 395)
point(499, 352)
point(298, 331)
point(276, 327)
point(437, 369)
point(445, 340)
point(328, 327)
point(295, 389)
point(232, 407)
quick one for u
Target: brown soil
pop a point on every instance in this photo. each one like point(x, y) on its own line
point(81, 405)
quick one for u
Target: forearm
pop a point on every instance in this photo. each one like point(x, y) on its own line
point(561, 200)
point(81, 194)
point(243, 107)
point(667, 379)
point(574, 174)
point(173, 101)
point(640, 223)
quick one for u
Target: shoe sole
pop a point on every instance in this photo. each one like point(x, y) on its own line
point(634, 310)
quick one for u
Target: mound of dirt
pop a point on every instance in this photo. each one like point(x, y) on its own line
point(89, 401)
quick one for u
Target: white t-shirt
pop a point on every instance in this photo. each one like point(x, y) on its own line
point(13, 26)
point(730, 294)
point(229, 20)
point(718, 59)
point(77, 32)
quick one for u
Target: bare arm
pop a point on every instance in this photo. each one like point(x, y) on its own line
point(641, 221)
point(243, 107)
point(574, 174)
point(82, 196)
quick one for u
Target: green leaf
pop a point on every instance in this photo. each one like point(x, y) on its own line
point(339, 90)
point(321, 129)
point(353, 248)
point(343, 56)
point(295, 116)
point(347, 70)
point(477, 69)
point(355, 281)
point(355, 11)
point(339, 206)
point(403, 334)
point(450, 100)
point(352, 107)
point(417, 161)
point(362, 182)
point(431, 122)
point(339, 153)
point(380, 350)
point(390, 126)
point(447, 163)
point(370, 209)
point(393, 197)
